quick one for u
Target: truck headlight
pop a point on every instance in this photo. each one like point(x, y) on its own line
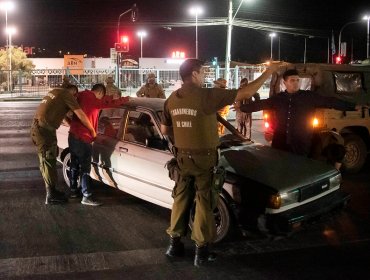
point(283, 199)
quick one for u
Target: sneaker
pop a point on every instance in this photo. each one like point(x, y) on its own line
point(90, 201)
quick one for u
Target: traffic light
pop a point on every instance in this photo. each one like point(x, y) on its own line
point(124, 45)
point(338, 60)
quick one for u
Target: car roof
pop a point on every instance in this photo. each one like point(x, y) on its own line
point(154, 104)
point(310, 68)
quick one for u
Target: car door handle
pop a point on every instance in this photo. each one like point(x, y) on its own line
point(123, 150)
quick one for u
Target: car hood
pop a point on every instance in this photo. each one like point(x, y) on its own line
point(277, 169)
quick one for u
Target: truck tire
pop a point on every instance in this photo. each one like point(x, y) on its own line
point(222, 218)
point(356, 153)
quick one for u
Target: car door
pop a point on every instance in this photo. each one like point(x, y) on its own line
point(134, 161)
point(104, 157)
point(143, 154)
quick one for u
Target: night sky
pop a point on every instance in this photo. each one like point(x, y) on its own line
point(89, 27)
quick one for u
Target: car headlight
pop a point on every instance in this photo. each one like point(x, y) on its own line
point(335, 181)
point(283, 199)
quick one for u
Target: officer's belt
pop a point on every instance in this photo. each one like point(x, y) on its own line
point(200, 152)
point(43, 124)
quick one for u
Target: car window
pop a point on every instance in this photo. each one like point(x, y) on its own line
point(141, 129)
point(348, 82)
point(109, 122)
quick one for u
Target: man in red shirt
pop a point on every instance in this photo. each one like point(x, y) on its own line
point(80, 139)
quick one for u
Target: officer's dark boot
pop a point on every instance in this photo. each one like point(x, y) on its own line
point(73, 182)
point(176, 248)
point(202, 255)
point(54, 196)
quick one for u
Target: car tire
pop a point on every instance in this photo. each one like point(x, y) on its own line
point(66, 168)
point(356, 153)
point(222, 217)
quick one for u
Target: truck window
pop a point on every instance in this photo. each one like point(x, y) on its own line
point(348, 82)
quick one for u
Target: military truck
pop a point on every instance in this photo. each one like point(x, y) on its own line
point(347, 82)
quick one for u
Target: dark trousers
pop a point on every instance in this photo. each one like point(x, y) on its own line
point(81, 162)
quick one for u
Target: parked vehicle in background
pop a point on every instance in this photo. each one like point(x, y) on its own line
point(348, 82)
point(266, 187)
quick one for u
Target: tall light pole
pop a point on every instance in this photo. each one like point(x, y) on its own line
point(196, 11)
point(230, 23)
point(367, 17)
point(340, 35)
point(10, 31)
point(141, 34)
point(305, 48)
point(134, 15)
point(272, 35)
point(7, 6)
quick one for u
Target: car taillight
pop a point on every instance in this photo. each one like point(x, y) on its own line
point(266, 120)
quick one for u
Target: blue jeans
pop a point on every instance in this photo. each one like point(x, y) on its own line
point(81, 162)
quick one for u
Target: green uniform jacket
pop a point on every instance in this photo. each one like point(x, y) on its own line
point(191, 111)
point(54, 106)
point(155, 91)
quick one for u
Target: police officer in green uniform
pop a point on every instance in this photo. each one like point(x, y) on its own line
point(151, 89)
point(49, 115)
point(190, 118)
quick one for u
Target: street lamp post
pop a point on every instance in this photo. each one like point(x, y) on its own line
point(196, 11)
point(141, 34)
point(340, 35)
point(7, 6)
point(134, 15)
point(305, 48)
point(272, 35)
point(228, 40)
point(367, 17)
point(10, 31)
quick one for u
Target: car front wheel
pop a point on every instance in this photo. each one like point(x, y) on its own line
point(222, 219)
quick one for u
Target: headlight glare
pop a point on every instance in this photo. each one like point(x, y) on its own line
point(275, 201)
point(284, 199)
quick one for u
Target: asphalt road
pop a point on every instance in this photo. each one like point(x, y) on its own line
point(125, 238)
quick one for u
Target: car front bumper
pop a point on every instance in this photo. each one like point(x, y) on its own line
point(284, 222)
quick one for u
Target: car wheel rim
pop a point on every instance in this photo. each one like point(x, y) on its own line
point(218, 219)
point(67, 169)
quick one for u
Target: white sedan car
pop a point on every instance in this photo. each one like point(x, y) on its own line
point(264, 188)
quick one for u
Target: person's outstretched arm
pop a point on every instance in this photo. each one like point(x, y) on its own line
point(250, 89)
